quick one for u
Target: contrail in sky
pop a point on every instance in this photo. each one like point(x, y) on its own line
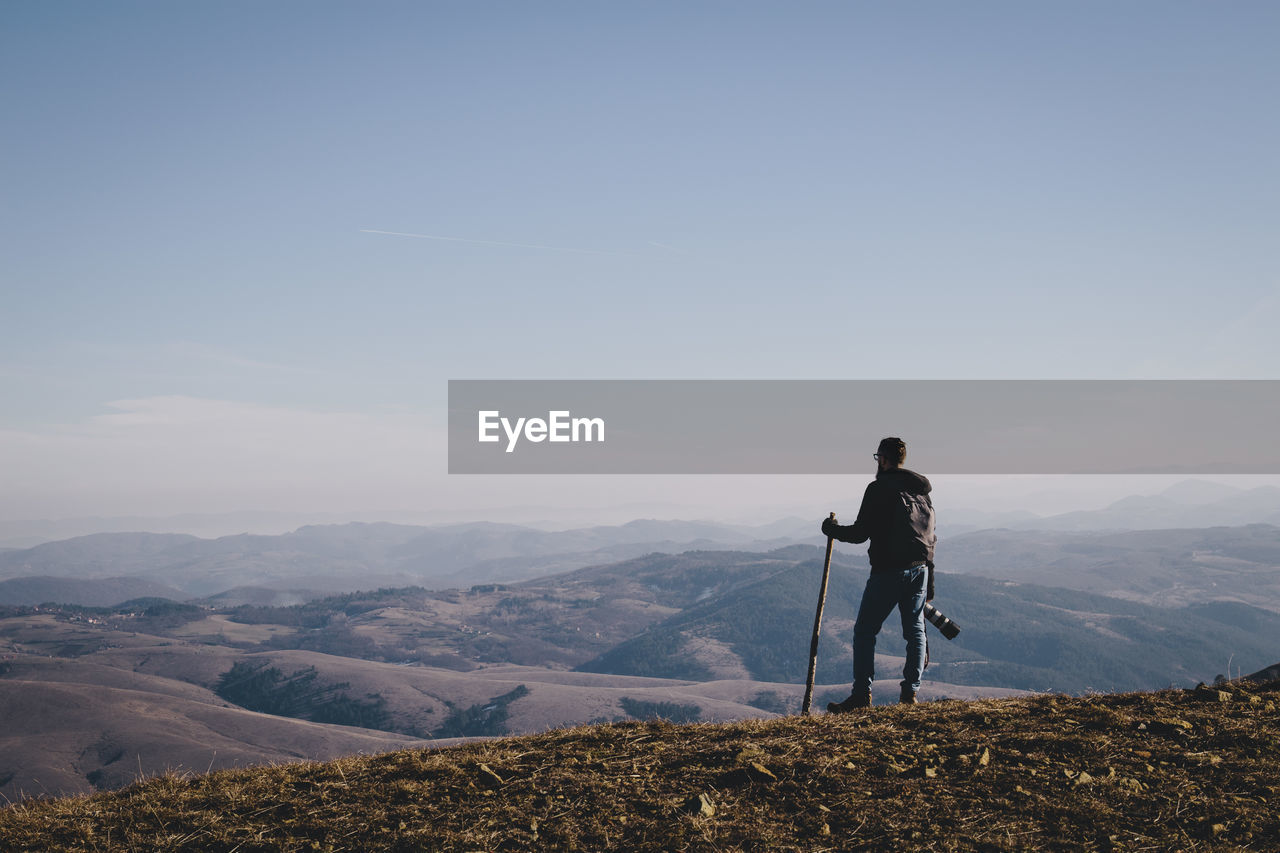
point(487, 242)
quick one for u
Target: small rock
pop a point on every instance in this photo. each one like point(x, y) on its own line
point(700, 805)
point(1208, 694)
point(985, 758)
point(1172, 727)
point(1083, 779)
point(931, 773)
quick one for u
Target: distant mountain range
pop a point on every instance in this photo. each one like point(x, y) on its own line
point(1183, 505)
point(339, 558)
point(1188, 503)
point(1169, 567)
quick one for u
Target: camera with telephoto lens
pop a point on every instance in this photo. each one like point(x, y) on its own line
point(948, 628)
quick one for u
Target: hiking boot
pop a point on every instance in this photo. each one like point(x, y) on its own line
point(908, 697)
point(855, 701)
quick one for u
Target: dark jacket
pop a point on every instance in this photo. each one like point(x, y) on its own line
point(893, 546)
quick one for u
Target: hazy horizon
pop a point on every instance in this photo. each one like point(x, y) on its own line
point(963, 497)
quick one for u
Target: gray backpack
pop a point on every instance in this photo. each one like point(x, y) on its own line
point(914, 520)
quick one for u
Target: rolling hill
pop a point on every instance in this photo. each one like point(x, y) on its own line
point(90, 592)
point(1014, 635)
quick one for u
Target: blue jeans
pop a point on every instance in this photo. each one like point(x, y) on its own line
point(904, 589)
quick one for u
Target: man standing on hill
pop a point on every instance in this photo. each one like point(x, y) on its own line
point(897, 516)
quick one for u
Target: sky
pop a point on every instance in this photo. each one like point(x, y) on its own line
point(243, 245)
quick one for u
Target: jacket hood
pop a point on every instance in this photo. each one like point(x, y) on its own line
point(904, 480)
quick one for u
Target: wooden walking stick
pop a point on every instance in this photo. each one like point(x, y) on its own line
point(817, 626)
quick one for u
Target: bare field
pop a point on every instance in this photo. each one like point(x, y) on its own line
point(220, 627)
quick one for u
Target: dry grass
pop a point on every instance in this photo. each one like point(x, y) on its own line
point(1176, 769)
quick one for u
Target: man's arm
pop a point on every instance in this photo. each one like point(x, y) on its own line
point(860, 530)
